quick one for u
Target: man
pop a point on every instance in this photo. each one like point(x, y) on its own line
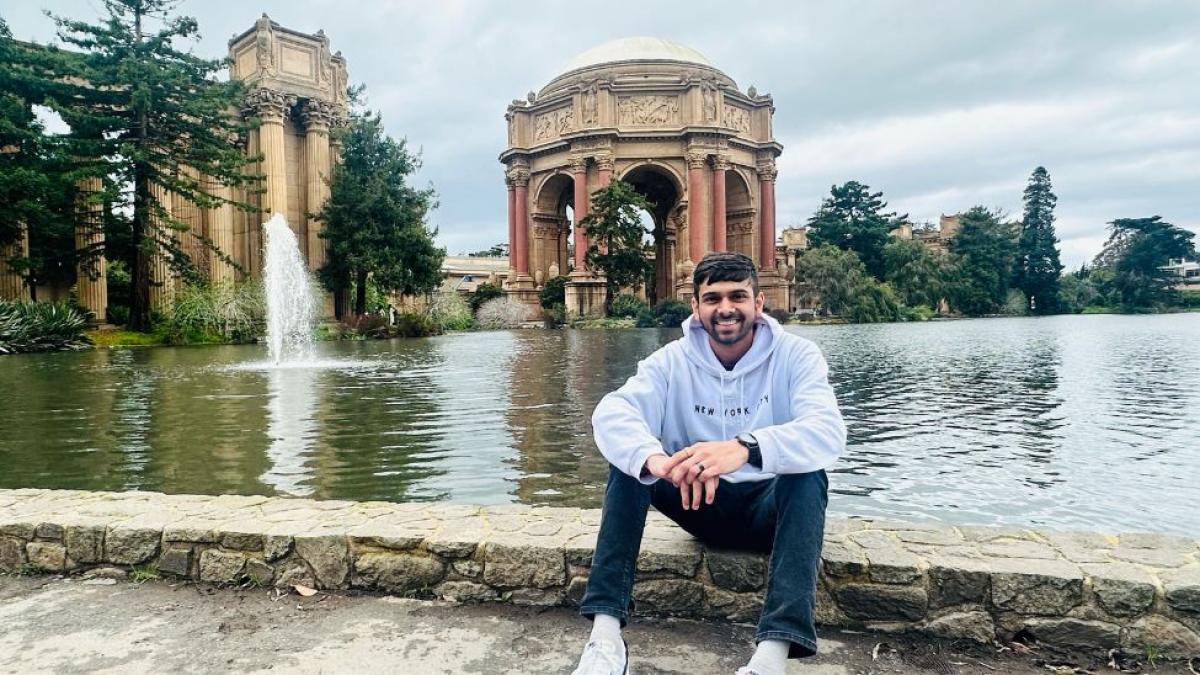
point(727, 431)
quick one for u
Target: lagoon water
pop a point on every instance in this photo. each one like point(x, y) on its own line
point(1073, 422)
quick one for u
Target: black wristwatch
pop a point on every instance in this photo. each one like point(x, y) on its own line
point(754, 455)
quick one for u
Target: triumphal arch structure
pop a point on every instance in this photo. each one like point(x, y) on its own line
point(660, 116)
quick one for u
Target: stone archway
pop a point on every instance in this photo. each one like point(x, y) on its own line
point(551, 227)
point(739, 215)
point(663, 189)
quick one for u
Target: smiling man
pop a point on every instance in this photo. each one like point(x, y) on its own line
point(726, 431)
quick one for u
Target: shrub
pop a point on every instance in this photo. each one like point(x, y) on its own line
point(646, 318)
point(874, 302)
point(554, 315)
point(671, 312)
point(780, 315)
point(415, 325)
point(482, 293)
point(554, 292)
point(211, 313)
point(449, 311)
point(626, 306)
point(365, 326)
point(41, 327)
point(500, 313)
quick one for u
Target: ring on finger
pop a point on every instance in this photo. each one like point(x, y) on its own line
point(700, 465)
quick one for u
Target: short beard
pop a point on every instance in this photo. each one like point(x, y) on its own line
point(711, 329)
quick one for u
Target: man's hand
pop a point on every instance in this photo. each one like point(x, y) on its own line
point(697, 469)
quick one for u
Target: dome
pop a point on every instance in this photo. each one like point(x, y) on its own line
point(637, 49)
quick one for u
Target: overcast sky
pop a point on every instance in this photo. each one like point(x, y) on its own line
point(941, 105)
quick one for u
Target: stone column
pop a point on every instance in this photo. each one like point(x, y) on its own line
point(272, 107)
point(604, 167)
point(221, 234)
point(696, 162)
point(719, 241)
point(766, 177)
point(162, 279)
point(521, 181)
point(512, 227)
point(579, 169)
point(91, 284)
point(317, 115)
point(12, 284)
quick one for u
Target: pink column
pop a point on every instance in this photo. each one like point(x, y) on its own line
point(767, 252)
point(512, 224)
point(720, 164)
point(579, 169)
point(695, 187)
point(522, 223)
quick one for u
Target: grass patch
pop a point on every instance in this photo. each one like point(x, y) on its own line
point(604, 322)
point(140, 574)
point(123, 338)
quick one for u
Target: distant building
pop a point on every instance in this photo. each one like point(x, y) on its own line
point(1188, 272)
point(463, 274)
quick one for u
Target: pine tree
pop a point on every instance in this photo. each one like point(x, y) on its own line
point(1037, 269)
point(375, 221)
point(851, 219)
point(152, 115)
point(982, 254)
point(1133, 257)
point(615, 231)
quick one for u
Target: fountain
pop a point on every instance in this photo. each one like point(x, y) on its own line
point(291, 305)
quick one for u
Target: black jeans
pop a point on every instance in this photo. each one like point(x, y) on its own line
point(784, 516)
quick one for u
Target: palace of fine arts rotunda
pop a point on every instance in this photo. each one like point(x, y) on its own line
point(661, 117)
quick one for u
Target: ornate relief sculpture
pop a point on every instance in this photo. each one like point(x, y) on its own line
point(708, 91)
point(737, 118)
point(553, 123)
point(647, 110)
point(589, 104)
point(265, 45)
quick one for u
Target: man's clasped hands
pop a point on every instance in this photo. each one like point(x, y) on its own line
point(697, 469)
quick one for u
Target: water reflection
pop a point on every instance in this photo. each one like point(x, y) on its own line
point(292, 429)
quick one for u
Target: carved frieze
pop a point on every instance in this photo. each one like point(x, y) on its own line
point(554, 123)
point(767, 171)
point(268, 104)
point(638, 111)
point(737, 118)
point(589, 104)
point(745, 227)
point(708, 96)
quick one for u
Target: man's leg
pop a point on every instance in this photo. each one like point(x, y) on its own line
point(622, 521)
point(795, 508)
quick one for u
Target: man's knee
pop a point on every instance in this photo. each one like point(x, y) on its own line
point(805, 488)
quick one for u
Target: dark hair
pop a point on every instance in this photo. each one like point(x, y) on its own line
point(724, 266)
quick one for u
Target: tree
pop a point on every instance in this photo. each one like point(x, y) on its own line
point(839, 281)
point(1037, 269)
point(851, 219)
point(614, 229)
point(983, 251)
point(1133, 257)
point(496, 251)
point(37, 191)
point(375, 221)
point(917, 272)
point(151, 118)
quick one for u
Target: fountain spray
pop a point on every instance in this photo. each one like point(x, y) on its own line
point(290, 302)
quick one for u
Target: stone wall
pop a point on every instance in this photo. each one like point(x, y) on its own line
point(1072, 589)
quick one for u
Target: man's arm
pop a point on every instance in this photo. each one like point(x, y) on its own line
point(627, 422)
point(816, 435)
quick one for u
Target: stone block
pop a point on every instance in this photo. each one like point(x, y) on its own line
point(1163, 559)
point(876, 602)
point(46, 556)
point(18, 526)
point(517, 566)
point(176, 560)
point(668, 596)
point(680, 560)
point(397, 572)
point(12, 554)
point(893, 566)
point(934, 536)
point(1018, 548)
point(259, 572)
point(192, 532)
point(1069, 632)
point(873, 539)
point(976, 626)
point(1170, 638)
point(85, 543)
point(725, 604)
point(472, 569)
point(328, 556)
point(52, 531)
point(1183, 589)
point(276, 546)
point(535, 597)
point(455, 543)
point(464, 591)
point(957, 581)
point(220, 567)
point(294, 573)
point(737, 571)
point(1121, 589)
point(576, 587)
point(1036, 587)
point(130, 545)
point(242, 538)
point(843, 560)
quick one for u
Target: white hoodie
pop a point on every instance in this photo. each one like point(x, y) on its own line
point(681, 394)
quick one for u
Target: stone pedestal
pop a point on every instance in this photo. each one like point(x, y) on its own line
point(585, 295)
point(776, 289)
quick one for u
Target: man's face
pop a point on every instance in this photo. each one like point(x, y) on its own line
point(727, 310)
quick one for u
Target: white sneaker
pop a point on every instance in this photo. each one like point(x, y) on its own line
point(601, 657)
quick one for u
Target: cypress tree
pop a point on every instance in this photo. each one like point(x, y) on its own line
point(1037, 269)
